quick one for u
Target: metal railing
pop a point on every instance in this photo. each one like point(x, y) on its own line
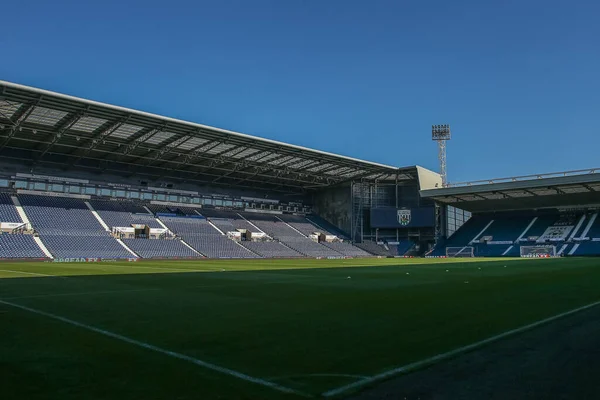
point(527, 177)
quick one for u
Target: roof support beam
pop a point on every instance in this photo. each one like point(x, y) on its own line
point(141, 138)
point(72, 120)
point(21, 116)
point(530, 192)
point(98, 138)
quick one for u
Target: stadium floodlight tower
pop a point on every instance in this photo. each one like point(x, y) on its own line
point(441, 134)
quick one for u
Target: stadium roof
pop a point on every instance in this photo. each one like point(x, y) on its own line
point(40, 127)
point(562, 189)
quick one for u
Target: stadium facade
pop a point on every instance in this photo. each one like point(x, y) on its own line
point(82, 179)
point(538, 215)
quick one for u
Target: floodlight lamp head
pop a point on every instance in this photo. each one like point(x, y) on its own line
point(440, 132)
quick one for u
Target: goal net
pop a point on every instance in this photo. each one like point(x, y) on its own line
point(544, 251)
point(466, 251)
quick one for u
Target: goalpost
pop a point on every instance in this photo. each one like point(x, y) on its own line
point(465, 251)
point(541, 251)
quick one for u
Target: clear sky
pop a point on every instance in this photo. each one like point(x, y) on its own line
point(518, 80)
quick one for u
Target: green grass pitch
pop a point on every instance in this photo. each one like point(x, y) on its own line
point(73, 331)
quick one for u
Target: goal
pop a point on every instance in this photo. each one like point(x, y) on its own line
point(542, 251)
point(466, 251)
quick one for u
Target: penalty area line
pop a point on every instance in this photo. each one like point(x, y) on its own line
point(450, 354)
point(173, 354)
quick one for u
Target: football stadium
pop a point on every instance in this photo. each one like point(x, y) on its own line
point(149, 257)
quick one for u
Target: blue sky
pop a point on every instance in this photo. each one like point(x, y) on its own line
point(517, 80)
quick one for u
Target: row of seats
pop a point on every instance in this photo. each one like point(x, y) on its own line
point(19, 246)
point(69, 229)
point(157, 248)
point(203, 237)
point(123, 214)
point(510, 230)
point(271, 249)
point(8, 211)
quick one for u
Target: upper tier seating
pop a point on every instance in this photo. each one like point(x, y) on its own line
point(123, 214)
point(199, 234)
point(19, 246)
point(160, 248)
point(8, 211)
point(160, 208)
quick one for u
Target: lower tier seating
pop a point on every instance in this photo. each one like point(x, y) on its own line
point(84, 246)
point(347, 249)
point(271, 249)
point(160, 248)
point(19, 246)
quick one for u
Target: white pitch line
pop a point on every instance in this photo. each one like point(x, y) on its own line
point(450, 354)
point(25, 273)
point(278, 378)
point(36, 296)
point(159, 268)
point(160, 350)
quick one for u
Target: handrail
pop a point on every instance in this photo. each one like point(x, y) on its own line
point(526, 177)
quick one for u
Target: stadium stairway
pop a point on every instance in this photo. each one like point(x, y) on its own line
point(18, 245)
point(106, 227)
point(19, 208)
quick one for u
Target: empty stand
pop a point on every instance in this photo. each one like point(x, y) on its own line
point(123, 214)
point(199, 234)
point(271, 249)
point(68, 229)
point(19, 246)
point(347, 249)
point(290, 236)
point(160, 248)
point(374, 248)
point(8, 211)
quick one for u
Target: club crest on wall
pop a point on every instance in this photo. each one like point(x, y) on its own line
point(404, 217)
